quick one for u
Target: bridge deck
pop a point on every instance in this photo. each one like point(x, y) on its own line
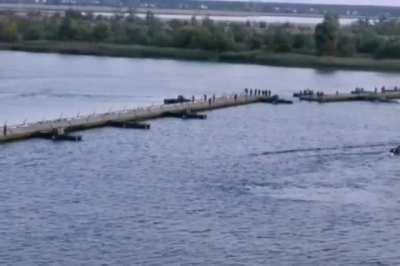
point(26, 131)
point(362, 96)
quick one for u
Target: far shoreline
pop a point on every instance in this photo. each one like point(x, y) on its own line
point(253, 57)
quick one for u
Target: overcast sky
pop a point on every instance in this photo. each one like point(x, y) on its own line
point(348, 2)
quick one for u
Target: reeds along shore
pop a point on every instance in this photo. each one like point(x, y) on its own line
point(251, 57)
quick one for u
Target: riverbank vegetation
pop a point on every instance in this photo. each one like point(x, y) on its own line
point(360, 46)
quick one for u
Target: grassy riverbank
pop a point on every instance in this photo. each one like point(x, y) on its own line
point(253, 57)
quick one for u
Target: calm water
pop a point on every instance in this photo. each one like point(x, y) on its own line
point(268, 19)
point(305, 184)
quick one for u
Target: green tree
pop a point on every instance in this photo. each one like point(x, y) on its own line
point(346, 45)
point(326, 34)
point(282, 41)
point(223, 41)
point(51, 29)
point(161, 38)
point(369, 43)
point(193, 21)
point(201, 38)
point(299, 41)
point(389, 49)
point(262, 24)
point(73, 14)
point(100, 31)
point(137, 35)
point(175, 23)
point(31, 33)
point(254, 41)
point(182, 37)
point(9, 32)
point(238, 32)
point(150, 19)
point(66, 31)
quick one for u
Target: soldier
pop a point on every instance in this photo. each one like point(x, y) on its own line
point(5, 130)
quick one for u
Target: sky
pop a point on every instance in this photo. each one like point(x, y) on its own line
point(340, 2)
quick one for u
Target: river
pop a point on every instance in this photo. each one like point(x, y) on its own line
point(303, 184)
point(270, 19)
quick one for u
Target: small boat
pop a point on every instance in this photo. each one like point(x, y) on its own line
point(58, 135)
point(185, 115)
point(179, 99)
point(282, 101)
point(395, 151)
point(129, 124)
point(276, 100)
point(74, 138)
point(303, 93)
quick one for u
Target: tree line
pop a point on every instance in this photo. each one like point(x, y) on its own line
point(380, 39)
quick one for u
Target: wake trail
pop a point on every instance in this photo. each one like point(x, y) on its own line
point(337, 148)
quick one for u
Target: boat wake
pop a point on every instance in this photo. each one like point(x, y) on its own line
point(338, 148)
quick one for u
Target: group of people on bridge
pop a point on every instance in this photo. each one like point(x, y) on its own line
point(357, 90)
point(257, 92)
point(207, 99)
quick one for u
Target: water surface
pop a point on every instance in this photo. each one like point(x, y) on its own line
point(306, 184)
point(271, 19)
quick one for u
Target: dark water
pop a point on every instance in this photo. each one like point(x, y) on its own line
point(306, 184)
